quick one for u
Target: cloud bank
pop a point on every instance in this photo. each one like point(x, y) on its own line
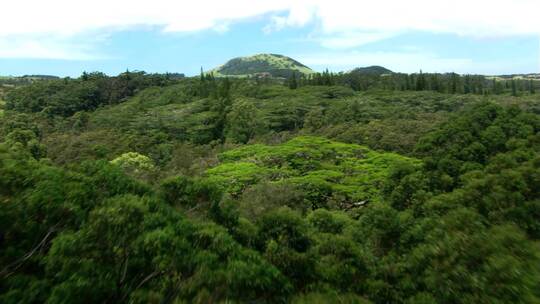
point(40, 28)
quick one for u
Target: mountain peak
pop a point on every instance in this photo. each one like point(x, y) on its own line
point(372, 70)
point(273, 64)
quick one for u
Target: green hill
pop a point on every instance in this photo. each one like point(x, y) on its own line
point(262, 64)
point(372, 70)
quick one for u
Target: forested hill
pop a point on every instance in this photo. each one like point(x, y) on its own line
point(375, 70)
point(262, 65)
point(319, 188)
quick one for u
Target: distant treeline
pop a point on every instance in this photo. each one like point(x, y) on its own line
point(26, 79)
point(451, 83)
point(66, 96)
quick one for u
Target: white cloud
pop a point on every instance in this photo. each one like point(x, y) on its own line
point(340, 23)
point(51, 47)
point(73, 16)
point(466, 17)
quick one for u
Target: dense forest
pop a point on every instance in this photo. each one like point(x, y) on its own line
point(354, 187)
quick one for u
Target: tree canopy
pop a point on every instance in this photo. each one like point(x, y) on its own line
point(334, 188)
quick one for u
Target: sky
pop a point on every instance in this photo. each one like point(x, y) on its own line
point(67, 37)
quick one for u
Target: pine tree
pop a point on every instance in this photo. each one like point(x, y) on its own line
point(435, 83)
point(203, 85)
point(407, 82)
point(222, 102)
point(454, 87)
point(531, 87)
point(498, 87)
point(326, 78)
point(514, 88)
point(420, 82)
point(480, 84)
point(293, 84)
point(467, 86)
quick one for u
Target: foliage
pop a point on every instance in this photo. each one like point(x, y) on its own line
point(272, 64)
point(135, 164)
point(346, 188)
point(321, 168)
point(68, 96)
point(243, 122)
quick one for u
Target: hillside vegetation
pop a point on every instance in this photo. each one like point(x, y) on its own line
point(328, 188)
point(3, 91)
point(349, 173)
point(374, 70)
point(273, 64)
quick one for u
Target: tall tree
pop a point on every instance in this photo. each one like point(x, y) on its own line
point(467, 85)
point(293, 84)
point(514, 88)
point(421, 82)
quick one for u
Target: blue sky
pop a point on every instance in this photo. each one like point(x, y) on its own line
point(180, 38)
